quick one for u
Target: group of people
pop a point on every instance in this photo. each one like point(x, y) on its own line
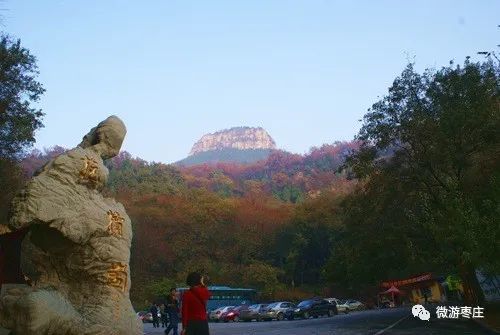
point(167, 314)
point(194, 308)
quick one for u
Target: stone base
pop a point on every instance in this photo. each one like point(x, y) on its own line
point(7, 287)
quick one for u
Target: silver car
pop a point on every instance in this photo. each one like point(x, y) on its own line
point(354, 305)
point(276, 310)
point(216, 314)
point(252, 312)
point(341, 305)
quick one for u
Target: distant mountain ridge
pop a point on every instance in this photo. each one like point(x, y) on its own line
point(241, 138)
point(236, 145)
point(230, 155)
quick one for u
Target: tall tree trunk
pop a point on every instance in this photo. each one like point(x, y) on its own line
point(473, 294)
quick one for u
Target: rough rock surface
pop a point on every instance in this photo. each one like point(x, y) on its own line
point(234, 138)
point(77, 250)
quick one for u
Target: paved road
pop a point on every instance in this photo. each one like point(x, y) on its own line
point(366, 323)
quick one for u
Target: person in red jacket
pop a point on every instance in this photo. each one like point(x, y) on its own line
point(194, 306)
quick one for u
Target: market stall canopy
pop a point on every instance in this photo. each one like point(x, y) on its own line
point(392, 290)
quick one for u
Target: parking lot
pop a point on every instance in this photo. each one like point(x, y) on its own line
point(370, 322)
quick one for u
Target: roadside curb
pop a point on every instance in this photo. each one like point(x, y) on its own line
point(380, 332)
point(485, 326)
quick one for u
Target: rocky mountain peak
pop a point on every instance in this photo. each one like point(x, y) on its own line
point(234, 138)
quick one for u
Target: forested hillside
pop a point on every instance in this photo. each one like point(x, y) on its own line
point(229, 219)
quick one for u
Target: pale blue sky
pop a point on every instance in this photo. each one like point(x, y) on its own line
point(306, 70)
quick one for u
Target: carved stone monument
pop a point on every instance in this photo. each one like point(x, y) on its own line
point(77, 247)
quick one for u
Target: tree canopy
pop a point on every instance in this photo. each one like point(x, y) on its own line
point(19, 90)
point(430, 160)
point(19, 119)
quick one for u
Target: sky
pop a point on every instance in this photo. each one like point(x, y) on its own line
point(173, 70)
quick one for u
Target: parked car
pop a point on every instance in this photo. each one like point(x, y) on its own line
point(354, 305)
point(276, 310)
point(216, 314)
point(145, 316)
point(341, 305)
point(252, 312)
point(232, 314)
point(314, 308)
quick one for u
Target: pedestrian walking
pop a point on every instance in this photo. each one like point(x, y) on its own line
point(172, 310)
point(163, 315)
point(194, 306)
point(154, 310)
point(426, 298)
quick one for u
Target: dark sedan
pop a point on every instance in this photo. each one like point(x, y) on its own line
point(313, 308)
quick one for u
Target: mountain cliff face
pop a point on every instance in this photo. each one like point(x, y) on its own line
point(241, 138)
